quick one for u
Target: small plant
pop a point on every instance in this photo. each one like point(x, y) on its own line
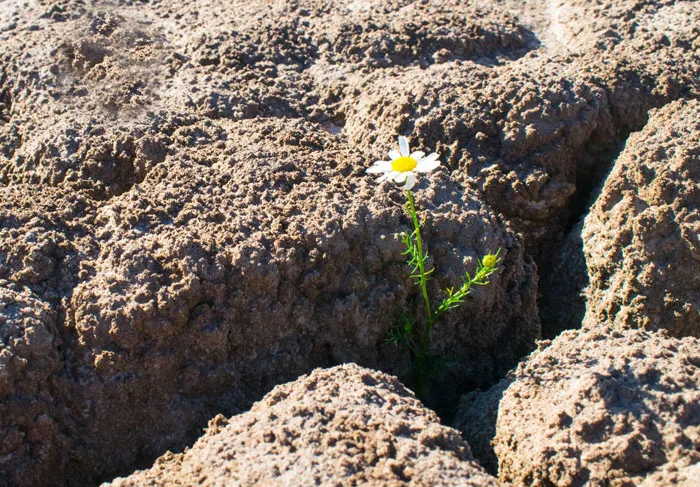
point(402, 168)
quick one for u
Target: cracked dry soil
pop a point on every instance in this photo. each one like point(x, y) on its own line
point(185, 223)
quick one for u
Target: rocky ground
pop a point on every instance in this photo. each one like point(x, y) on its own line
point(186, 223)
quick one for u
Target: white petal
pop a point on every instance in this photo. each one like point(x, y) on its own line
point(410, 181)
point(401, 177)
point(390, 175)
point(428, 164)
point(431, 157)
point(379, 167)
point(403, 145)
point(394, 154)
point(418, 155)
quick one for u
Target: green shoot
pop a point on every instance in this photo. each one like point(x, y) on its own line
point(405, 333)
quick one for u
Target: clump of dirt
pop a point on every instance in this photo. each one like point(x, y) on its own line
point(641, 237)
point(346, 425)
point(601, 407)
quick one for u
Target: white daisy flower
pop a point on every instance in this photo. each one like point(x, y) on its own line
point(404, 165)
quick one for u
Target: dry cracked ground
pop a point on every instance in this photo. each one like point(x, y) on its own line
point(186, 224)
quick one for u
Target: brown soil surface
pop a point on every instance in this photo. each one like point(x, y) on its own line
point(642, 236)
point(185, 220)
point(598, 408)
point(341, 426)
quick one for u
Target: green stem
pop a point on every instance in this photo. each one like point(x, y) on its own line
point(417, 339)
point(421, 263)
point(430, 317)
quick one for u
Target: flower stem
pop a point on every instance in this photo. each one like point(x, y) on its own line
point(421, 259)
point(417, 339)
point(423, 283)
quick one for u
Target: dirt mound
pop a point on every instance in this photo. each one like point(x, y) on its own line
point(342, 426)
point(641, 236)
point(598, 408)
point(259, 255)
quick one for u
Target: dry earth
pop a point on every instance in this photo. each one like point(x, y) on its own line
point(642, 236)
point(601, 408)
point(185, 221)
point(341, 426)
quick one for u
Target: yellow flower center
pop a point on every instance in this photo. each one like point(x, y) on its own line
point(403, 164)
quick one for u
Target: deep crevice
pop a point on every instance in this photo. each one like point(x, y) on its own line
point(564, 278)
